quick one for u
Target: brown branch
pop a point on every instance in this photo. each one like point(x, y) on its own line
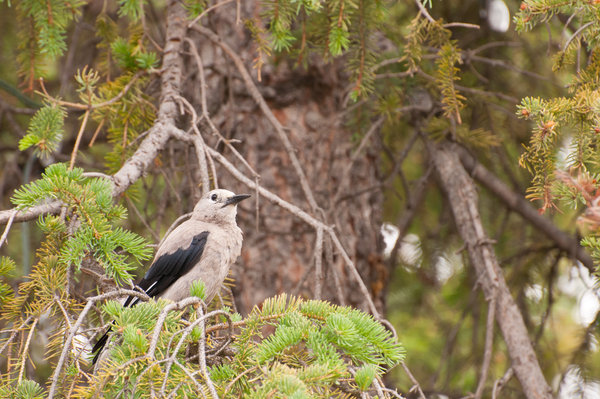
point(424, 11)
point(463, 199)
point(501, 382)
point(30, 214)
point(11, 219)
point(75, 328)
point(78, 139)
point(171, 77)
point(318, 263)
point(374, 129)
point(413, 202)
point(489, 343)
point(416, 386)
point(264, 107)
point(470, 56)
point(518, 204)
point(307, 218)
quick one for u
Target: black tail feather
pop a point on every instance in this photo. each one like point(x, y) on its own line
point(97, 349)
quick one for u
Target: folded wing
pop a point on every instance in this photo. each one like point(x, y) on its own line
point(165, 270)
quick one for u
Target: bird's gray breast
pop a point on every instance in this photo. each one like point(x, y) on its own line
point(222, 248)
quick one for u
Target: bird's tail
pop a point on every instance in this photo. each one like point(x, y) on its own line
point(97, 349)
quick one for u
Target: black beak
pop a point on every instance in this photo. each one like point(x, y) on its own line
point(235, 199)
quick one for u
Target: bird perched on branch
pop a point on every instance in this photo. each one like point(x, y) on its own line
point(201, 248)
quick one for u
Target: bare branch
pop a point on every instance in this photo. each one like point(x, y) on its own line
point(424, 11)
point(75, 328)
point(13, 214)
point(345, 175)
point(306, 218)
point(318, 263)
point(412, 378)
point(463, 200)
point(517, 203)
point(253, 90)
point(489, 342)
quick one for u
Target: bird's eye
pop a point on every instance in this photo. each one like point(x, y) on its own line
point(214, 197)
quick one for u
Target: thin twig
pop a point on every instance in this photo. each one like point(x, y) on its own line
point(176, 223)
point(346, 173)
point(26, 349)
point(63, 310)
point(163, 316)
point(13, 214)
point(206, 116)
point(237, 378)
point(468, 56)
point(262, 104)
point(142, 219)
point(201, 350)
point(209, 9)
point(78, 139)
point(319, 263)
point(199, 144)
point(461, 25)
point(15, 332)
point(91, 301)
point(489, 343)
point(413, 380)
point(577, 32)
point(89, 107)
point(424, 11)
point(499, 384)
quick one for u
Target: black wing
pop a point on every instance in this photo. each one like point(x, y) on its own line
point(169, 267)
point(163, 272)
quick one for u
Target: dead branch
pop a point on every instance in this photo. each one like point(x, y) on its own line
point(517, 203)
point(258, 98)
point(463, 199)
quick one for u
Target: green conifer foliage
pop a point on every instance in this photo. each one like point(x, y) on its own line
point(45, 130)
point(570, 123)
point(315, 350)
point(89, 227)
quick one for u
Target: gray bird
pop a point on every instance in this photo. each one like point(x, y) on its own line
point(201, 248)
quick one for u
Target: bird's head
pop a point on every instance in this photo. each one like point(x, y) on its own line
point(218, 206)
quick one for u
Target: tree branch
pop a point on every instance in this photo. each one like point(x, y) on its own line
point(264, 107)
point(464, 203)
point(517, 203)
point(171, 75)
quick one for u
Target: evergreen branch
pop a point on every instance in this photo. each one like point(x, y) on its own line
point(90, 105)
point(75, 328)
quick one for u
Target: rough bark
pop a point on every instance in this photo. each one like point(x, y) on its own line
point(279, 249)
point(171, 79)
point(463, 199)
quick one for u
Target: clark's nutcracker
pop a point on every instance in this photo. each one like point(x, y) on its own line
point(201, 248)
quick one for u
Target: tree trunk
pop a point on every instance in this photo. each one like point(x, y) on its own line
point(279, 249)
